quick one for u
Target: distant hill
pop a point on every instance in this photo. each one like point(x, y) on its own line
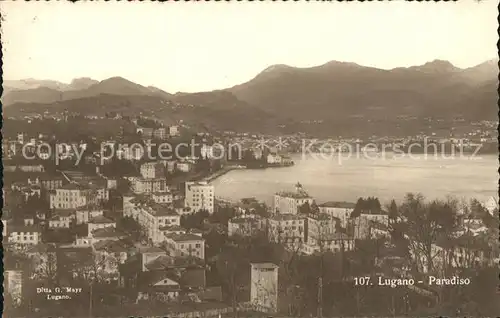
point(37, 92)
point(345, 97)
point(200, 116)
point(338, 91)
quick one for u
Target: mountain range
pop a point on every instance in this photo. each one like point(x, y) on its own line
point(336, 92)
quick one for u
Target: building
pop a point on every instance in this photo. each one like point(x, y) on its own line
point(152, 170)
point(331, 242)
point(62, 218)
point(51, 182)
point(24, 234)
point(141, 185)
point(86, 213)
point(361, 226)
point(244, 226)
point(184, 166)
point(13, 285)
point(264, 287)
point(160, 133)
point(273, 159)
point(319, 225)
point(153, 217)
point(162, 197)
point(185, 245)
point(173, 131)
point(100, 222)
point(286, 229)
point(200, 196)
point(72, 196)
point(339, 210)
point(290, 202)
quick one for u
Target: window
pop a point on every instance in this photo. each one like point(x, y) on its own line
point(198, 245)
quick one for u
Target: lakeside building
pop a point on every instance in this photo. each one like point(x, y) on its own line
point(290, 202)
point(200, 195)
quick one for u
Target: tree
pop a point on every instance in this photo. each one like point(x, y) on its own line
point(305, 208)
point(424, 224)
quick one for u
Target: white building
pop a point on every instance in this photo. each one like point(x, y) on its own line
point(173, 131)
point(100, 222)
point(290, 202)
point(153, 217)
point(86, 213)
point(72, 196)
point(200, 196)
point(286, 228)
point(339, 210)
point(331, 242)
point(273, 159)
point(30, 234)
point(264, 287)
point(62, 218)
point(319, 225)
point(244, 226)
point(184, 166)
point(162, 197)
point(141, 185)
point(186, 245)
point(362, 225)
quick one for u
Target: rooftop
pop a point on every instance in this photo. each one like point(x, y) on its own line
point(101, 220)
point(184, 237)
point(286, 217)
point(263, 265)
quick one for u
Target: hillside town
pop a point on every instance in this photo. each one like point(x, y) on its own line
point(86, 233)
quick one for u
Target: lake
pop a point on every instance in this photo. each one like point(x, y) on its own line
point(388, 177)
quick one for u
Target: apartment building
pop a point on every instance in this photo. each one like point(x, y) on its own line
point(62, 218)
point(185, 245)
point(319, 225)
point(72, 196)
point(141, 185)
point(339, 210)
point(153, 217)
point(290, 202)
point(24, 234)
point(86, 213)
point(286, 228)
point(100, 222)
point(200, 195)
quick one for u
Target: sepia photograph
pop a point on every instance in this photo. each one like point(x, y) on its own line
point(308, 159)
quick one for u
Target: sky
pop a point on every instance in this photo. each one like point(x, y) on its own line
point(199, 46)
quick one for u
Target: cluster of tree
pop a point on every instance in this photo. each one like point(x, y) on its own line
point(370, 205)
point(194, 220)
point(307, 208)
